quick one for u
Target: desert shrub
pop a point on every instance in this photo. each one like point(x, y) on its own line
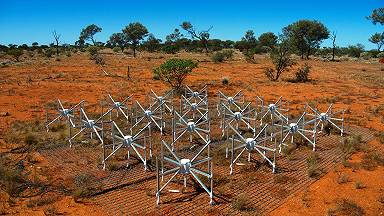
point(352, 144)
point(170, 49)
point(380, 55)
point(228, 53)
point(93, 50)
point(365, 55)
point(116, 49)
point(281, 59)
point(84, 186)
point(225, 80)
point(48, 52)
point(347, 207)
point(41, 201)
point(113, 166)
point(381, 199)
point(31, 139)
point(242, 203)
point(372, 159)
point(355, 50)
point(51, 210)
point(174, 71)
point(68, 54)
point(312, 164)
point(222, 56)
point(95, 55)
point(381, 137)
point(15, 53)
point(359, 185)
point(218, 57)
point(302, 74)
point(343, 178)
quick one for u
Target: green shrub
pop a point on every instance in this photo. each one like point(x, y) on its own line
point(15, 53)
point(170, 49)
point(49, 52)
point(359, 185)
point(380, 55)
point(302, 74)
point(312, 163)
point(218, 57)
point(93, 50)
point(116, 49)
point(365, 55)
point(174, 71)
point(228, 53)
point(348, 207)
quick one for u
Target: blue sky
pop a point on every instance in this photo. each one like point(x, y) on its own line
point(33, 20)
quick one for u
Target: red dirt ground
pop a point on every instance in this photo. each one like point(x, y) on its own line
point(25, 88)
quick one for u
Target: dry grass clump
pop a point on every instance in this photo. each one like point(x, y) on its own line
point(312, 163)
point(85, 185)
point(343, 178)
point(242, 203)
point(359, 185)
point(352, 144)
point(346, 207)
point(371, 160)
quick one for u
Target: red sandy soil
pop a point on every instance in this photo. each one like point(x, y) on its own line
point(25, 88)
point(323, 195)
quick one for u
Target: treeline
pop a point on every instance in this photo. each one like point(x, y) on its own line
point(304, 38)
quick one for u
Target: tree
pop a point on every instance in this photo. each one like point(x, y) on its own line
point(118, 40)
point(174, 71)
point(378, 39)
point(306, 35)
point(135, 32)
point(173, 37)
point(152, 44)
point(202, 36)
point(377, 16)
point(281, 59)
point(57, 41)
point(88, 33)
point(333, 37)
point(268, 39)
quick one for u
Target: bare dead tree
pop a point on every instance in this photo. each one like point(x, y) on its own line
point(57, 39)
point(333, 36)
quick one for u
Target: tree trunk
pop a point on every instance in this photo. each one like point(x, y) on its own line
point(333, 53)
point(308, 53)
point(134, 51)
point(57, 49)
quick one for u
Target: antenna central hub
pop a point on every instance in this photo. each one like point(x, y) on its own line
point(230, 100)
point(185, 166)
point(148, 113)
point(250, 144)
point(272, 107)
point(191, 126)
point(128, 140)
point(293, 128)
point(323, 117)
point(238, 116)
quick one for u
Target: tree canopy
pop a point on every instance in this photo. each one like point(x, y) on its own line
point(135, 33)
point(87, 34)
point(306, 35)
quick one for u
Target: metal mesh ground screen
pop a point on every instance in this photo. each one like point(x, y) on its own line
point(131, 191)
